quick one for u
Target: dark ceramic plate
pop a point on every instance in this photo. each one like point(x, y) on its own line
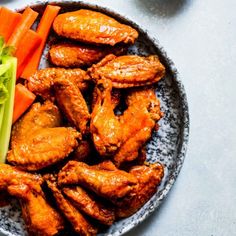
point(167, 146)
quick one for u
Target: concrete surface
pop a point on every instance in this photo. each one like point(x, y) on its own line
point(200, 37)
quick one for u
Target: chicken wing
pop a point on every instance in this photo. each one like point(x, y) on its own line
point(41, 82)
point(128, 71)
point(149, 177)
point(40, 218)
point(78, 55)
point(93, 27)
point(122, 137)
point(89, 205)
point(10, 175)
point(112, 185)
point(138, 121)
point(39, 116)
point(105, 126)
point(72, 103)
point(44, 148)
point(79, 223)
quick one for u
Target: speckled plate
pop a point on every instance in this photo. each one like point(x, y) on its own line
point(167, 146)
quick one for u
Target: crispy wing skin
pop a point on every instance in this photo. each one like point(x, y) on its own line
point(142, 156)
point(42, 81)
point(115, 93)
point(72, 103)
point(123, 136)
point(139, 160)
point(149, 177)
point(105, 165)
point(105, 126)
point(79, 223)
point(149, 103)
point(89, 205)
point(93, 27)
point(40, 218)
point(138, 121)
point(128, 71)
point(129, 151)
point(78, 55)
point(10, 175)
point(44, 148)
point(39, 116)
point(83, 151)
point(36, 143)
point(112, 185)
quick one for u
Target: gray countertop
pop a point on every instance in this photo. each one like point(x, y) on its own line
point(200, 37)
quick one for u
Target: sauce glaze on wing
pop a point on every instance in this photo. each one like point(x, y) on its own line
point(128, 70)
point(72, 55)
point(93, 27)
point(42, 81)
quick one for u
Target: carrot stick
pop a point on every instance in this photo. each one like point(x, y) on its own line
point(43, 30)
point(9, 21)
point(23, 99)
point(27, 20)
point(26, 48)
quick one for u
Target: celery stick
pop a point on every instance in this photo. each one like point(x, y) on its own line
point(5, 131)
point(2, 106)
point(4, 68)
point(3, 81)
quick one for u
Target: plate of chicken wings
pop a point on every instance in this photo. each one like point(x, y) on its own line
point(105, 139)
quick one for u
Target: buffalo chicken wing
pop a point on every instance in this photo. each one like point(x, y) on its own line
point(110, 184)
point(105, 126)
point(122, 137)
point(93, 27)
point(39, 116)
point(128, 71)
point(78, 55)
point(37, 141)
point(89, 205)
point(42, 81)
point(10, 175)
point(149, 177)
point(79, 223)
point(138, 122)
point(72, 103)
point(44, 148)
point(40, 218)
